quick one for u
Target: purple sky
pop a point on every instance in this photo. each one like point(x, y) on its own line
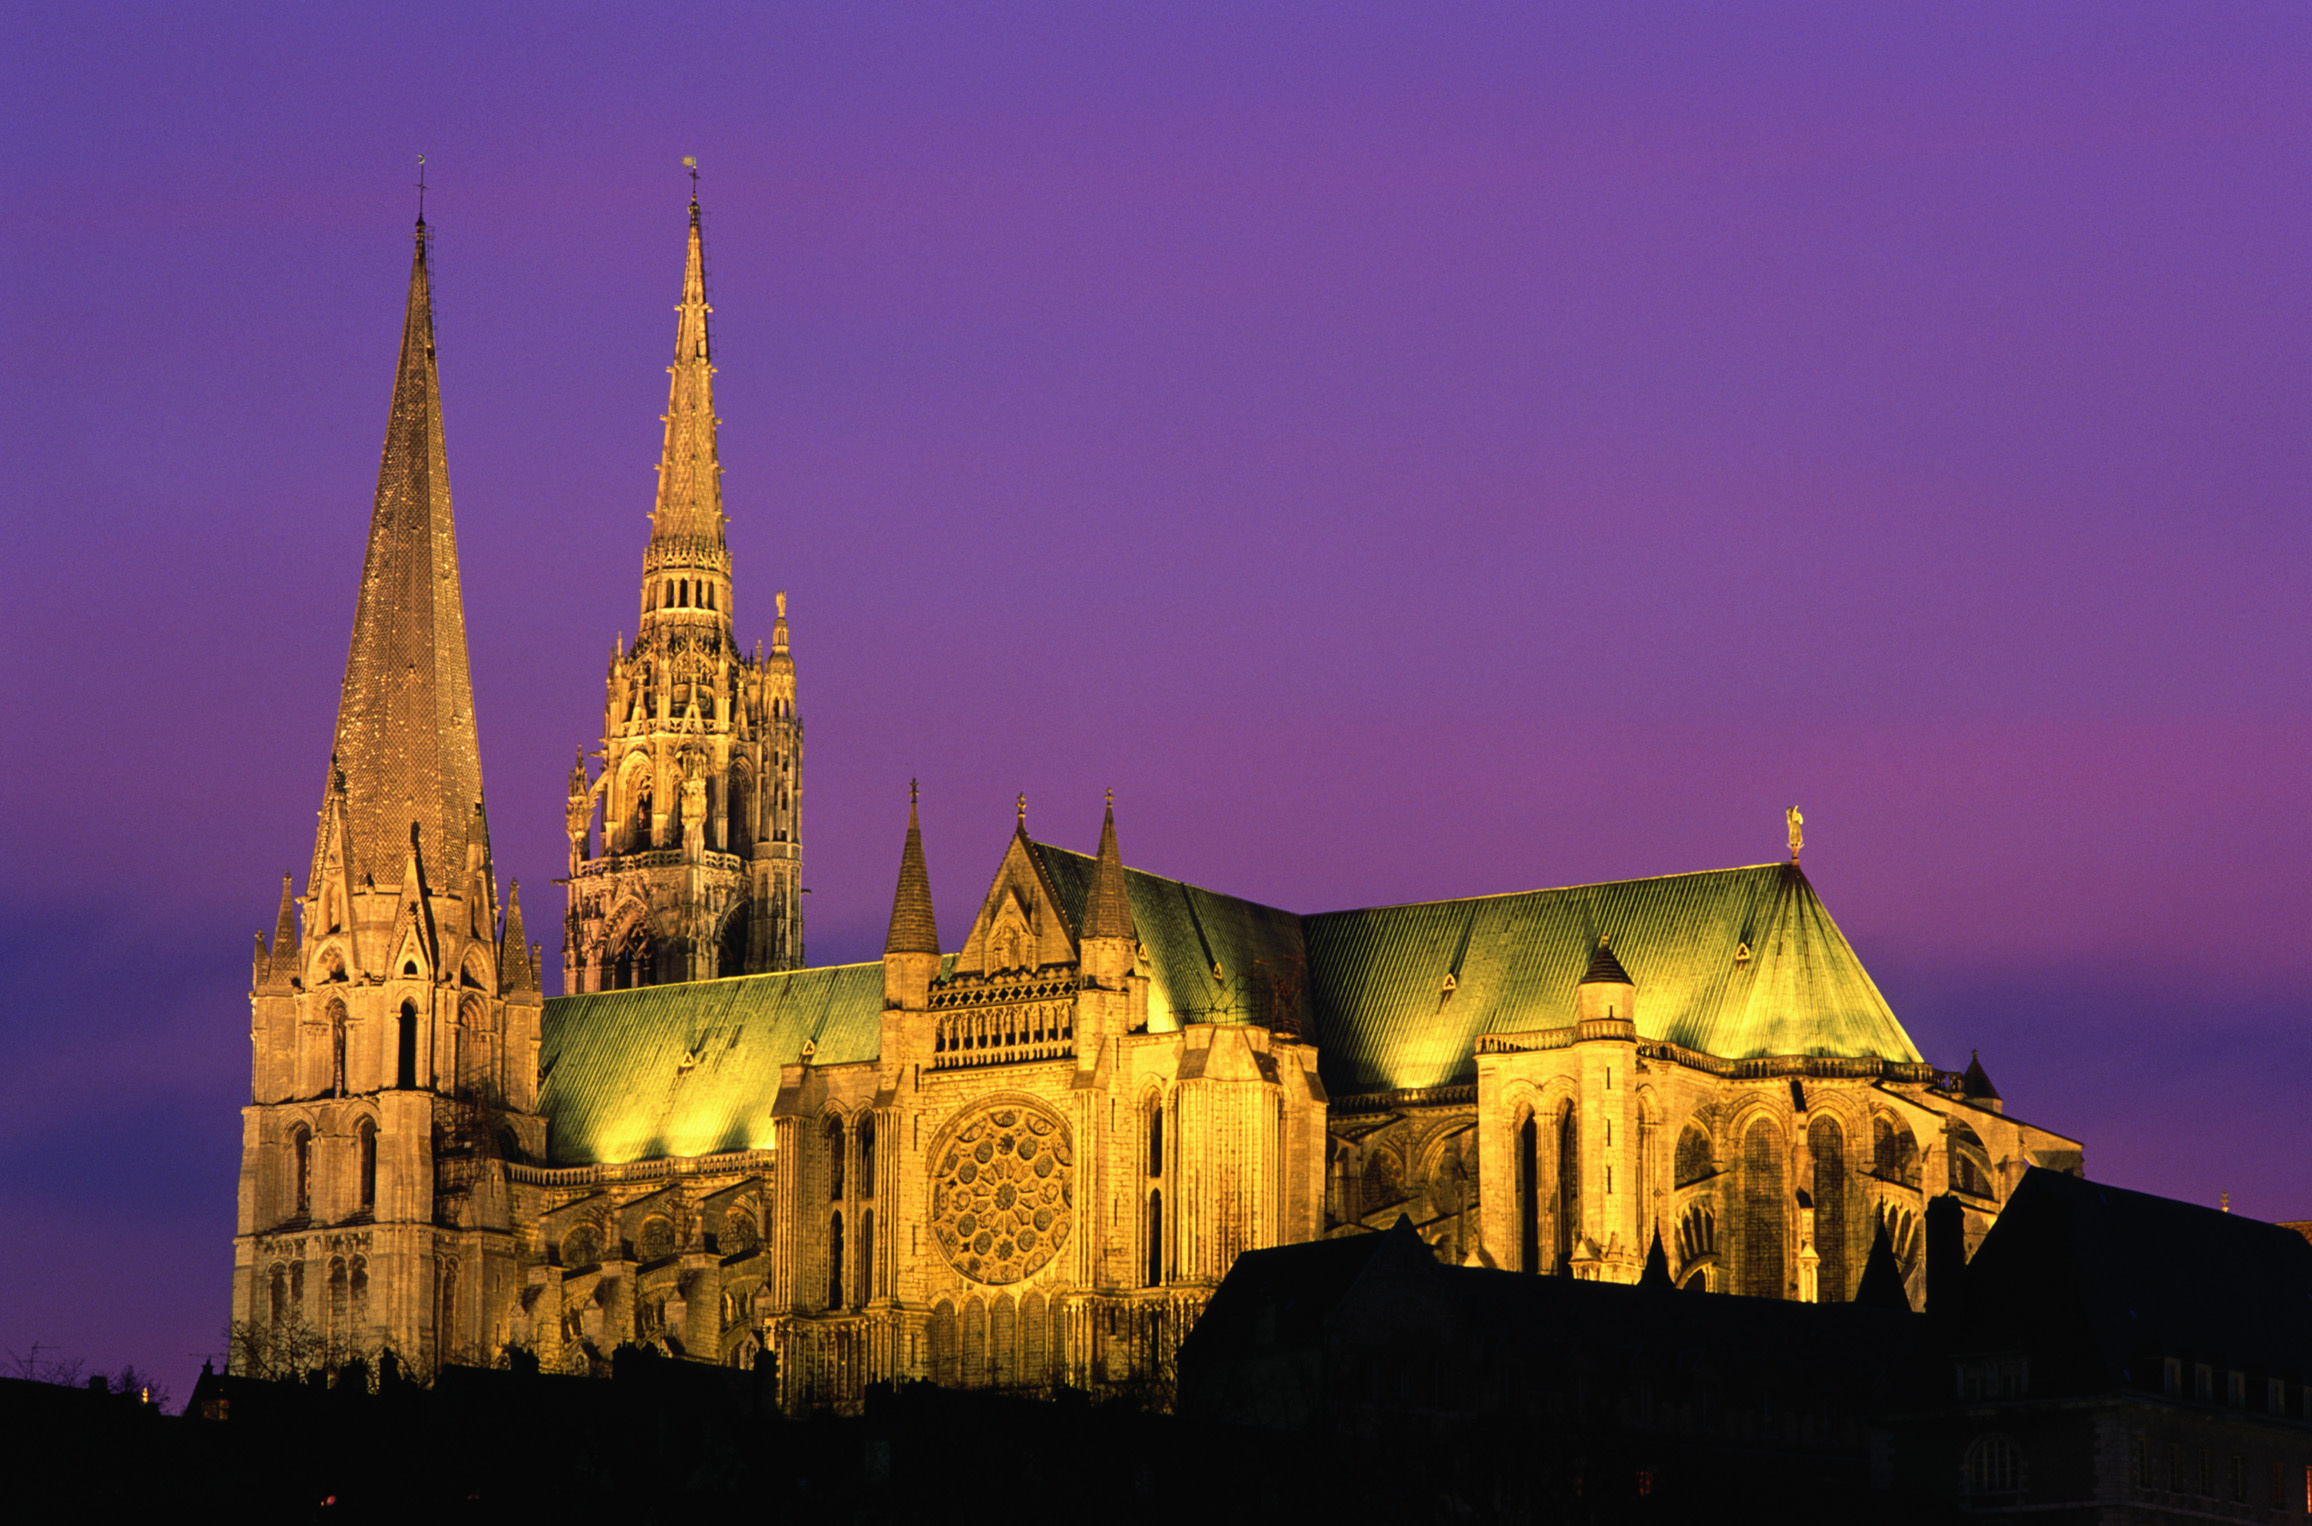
point(1405, 456)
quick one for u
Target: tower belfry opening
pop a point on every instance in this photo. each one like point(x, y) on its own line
point(685, 848)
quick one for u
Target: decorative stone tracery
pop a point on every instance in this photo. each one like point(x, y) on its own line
point(1003, 1191)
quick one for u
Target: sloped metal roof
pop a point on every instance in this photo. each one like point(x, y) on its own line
point(1210, 957)
point(1385, 1019)
point(1736, 963)
point(693, 1068)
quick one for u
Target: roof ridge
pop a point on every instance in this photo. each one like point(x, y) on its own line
point(1150, 874)
point(1503, 895)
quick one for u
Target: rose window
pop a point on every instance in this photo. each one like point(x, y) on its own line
point(1003, 1192)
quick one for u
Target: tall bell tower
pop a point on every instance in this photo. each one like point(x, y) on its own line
point(394, 1038)
point(696, 869)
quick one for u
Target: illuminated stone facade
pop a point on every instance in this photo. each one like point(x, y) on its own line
point(1022, 1161)
point(697, 868)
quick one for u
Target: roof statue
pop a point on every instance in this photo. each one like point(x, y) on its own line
point(1797, 824)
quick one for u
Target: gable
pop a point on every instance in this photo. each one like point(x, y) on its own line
point(1021, 924)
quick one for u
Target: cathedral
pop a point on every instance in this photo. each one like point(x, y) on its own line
point(1022, 1158)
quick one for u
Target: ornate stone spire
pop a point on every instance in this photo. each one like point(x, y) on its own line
point(1108, 903)
point(689, 505)
point(282, 967)
point(914, 929)
point(516, 970)
point(405, 720)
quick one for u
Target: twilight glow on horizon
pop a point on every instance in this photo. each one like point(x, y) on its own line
point(1403, 455)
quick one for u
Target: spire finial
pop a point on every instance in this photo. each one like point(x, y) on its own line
point(690, 163)
point(421, 190)
point(1107, 901)
point(1797, 825)
point(1023, 810)
point(914, 792)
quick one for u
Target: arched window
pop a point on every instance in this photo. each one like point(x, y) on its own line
point(1568, 1203)
point(278, 1299)
point(446, 1340)
point(835, 1259)
point(1763, 1217)
point(1155, 1136)
point(731, 955)
point(866, 1133)
point(1528, 1194)
point(359, 1291)
point(301, 1169)
point(945, 1363)
point(337, 1048)
point(739, 812)
point(339, 1298)
point(1693, 1162)
point(1003, 1342)
point(1827, 1142)
point(1384, 1180)
point(405, 1047)
point(477, 1074)
point(365, 1136)
point(1993, 1466)
point(832, 1136)
point(974, 1343)
point(1156, 1238)
point(866, 1254)
point(638, 813)
point(1035, 1348)
point(582, 1246)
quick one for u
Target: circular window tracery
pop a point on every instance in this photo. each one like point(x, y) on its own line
point(1003, 1191)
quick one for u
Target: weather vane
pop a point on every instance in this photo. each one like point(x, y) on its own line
point(421, 188)
point(690, 163)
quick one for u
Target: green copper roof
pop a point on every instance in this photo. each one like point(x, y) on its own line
point(1211, 957)
point(693, 1069)
point(1384, 1019)
point(1734, 962)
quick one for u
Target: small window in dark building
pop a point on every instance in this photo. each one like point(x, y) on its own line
point(1993, 1466)
point(835, 1261)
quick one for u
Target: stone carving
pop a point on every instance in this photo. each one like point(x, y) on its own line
point(1003, 1191)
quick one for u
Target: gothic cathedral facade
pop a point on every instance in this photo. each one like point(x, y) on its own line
point(1020, 1162)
